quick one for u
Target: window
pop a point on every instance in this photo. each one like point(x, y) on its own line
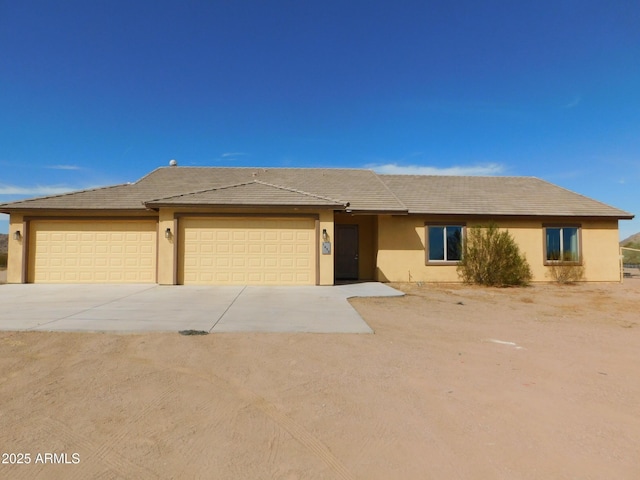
point(444, 243)
point(562, 244)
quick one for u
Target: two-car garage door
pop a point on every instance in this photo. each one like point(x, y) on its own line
point(247, 251)
point(211, 250)
point(88, 251)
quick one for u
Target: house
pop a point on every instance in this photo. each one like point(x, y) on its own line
point(299, 226)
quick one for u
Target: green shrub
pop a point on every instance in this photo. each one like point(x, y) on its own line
point(491, 257)
point(3, 260)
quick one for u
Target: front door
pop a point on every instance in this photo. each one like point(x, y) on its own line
point(346, 267)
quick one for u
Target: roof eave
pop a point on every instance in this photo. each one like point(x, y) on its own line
point(11, 210)
point(621, 216)
point(362, 211)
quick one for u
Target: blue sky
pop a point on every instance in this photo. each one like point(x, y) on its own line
point(101, 92)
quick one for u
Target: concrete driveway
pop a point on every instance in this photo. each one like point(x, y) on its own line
point(146, 308)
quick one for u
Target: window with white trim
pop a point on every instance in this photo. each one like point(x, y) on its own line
point(444, 243)
point(562, 244)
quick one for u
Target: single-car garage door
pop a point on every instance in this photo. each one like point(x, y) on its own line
point(105, 251)
point(247, 251)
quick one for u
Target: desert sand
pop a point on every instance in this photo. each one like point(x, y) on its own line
point(457, 382)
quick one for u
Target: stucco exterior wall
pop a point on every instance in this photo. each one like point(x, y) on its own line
point(167, 251)
point(16, 250)
point(325, 262)
point(402, 247)
point(392, 248)
point(601, 251)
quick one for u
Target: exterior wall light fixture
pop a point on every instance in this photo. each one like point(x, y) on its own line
point(167, 233)
point(324, 234)
point(17, 235)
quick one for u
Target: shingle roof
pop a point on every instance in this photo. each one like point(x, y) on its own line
point(112, 197)
point(254, 193)
point(358, 190)
point(363, 189)
point(520, 196)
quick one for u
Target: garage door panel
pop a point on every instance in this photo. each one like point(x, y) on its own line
point(219, 277)
point(247, 251)
point(271, 249)
point(149, 266)
point(256, 263)
point(92, 251)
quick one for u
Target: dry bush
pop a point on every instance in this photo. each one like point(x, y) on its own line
point(566, 272)
point(3, 260)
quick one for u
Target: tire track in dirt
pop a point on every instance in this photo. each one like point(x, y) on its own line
point(378, 440)
point(210, 416)
point(297, 431)
point(24, 472)
point(107, 456)
point(105, 453)
point(274, 446)
point(40, 427)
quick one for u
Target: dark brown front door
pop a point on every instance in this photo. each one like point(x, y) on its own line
point(346, 252)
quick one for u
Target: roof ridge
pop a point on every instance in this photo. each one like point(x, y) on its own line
point(378, 177)
point(195, 192)
point(146, 175)
point(242, 184)
point(210, 167)
point(302, 192)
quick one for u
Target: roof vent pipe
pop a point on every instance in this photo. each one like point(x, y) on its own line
point(173, 163)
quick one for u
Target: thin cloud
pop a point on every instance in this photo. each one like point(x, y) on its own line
point(234, 154)
point(573, 103)
point(63, 167)
point(474, 170)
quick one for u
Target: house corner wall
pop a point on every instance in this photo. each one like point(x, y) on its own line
point(167, 248)
point(325, 261)
point(601, 251)
point(17, 250)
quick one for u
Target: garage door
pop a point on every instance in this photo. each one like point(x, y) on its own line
point(92, 251)
point(247, 251)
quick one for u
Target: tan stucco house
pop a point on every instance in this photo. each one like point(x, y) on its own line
point(298, 226)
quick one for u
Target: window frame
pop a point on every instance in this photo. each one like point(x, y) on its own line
point(561, 226)
point(427, 225)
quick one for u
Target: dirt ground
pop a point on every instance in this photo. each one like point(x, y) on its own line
point(457, 383)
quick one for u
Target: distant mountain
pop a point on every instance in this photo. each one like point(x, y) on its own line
point(4, 242)
point(635, 238)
